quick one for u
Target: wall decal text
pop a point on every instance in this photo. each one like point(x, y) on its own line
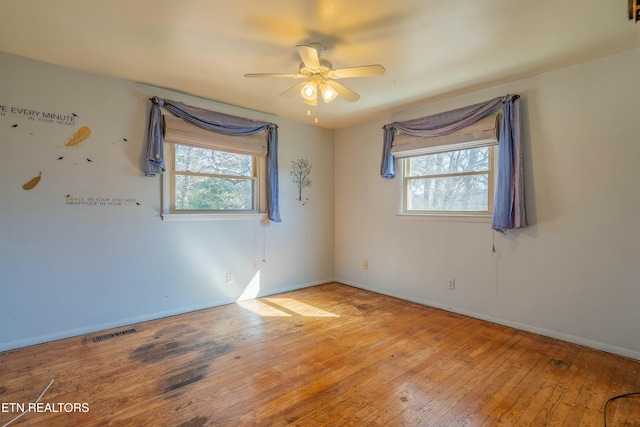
point(100, 201)
point(22, 113)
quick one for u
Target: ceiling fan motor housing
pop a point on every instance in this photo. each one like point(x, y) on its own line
point(323, 70)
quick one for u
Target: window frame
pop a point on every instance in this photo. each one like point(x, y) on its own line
point(490, 172)
point(169, 211)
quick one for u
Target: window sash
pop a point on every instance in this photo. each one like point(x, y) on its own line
point(258, 186)
point(490, 172)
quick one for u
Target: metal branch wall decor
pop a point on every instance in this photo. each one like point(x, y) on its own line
point(300, 171)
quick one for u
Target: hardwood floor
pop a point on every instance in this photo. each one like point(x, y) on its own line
point(330, 355)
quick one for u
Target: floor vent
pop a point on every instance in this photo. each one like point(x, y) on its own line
point(114, 334)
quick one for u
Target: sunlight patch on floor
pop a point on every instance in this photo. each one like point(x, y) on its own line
point(298, 307)
point(276, 306)
point(261, 308)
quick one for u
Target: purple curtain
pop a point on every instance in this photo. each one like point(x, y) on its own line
point(509, 206)
point(214, 122)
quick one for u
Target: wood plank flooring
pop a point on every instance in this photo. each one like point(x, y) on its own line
point(330, 355)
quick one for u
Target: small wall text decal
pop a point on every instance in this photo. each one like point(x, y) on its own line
point(99, 201)
point(22, 113)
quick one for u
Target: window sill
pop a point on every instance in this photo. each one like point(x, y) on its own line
point(213, 217)
point(445, 217)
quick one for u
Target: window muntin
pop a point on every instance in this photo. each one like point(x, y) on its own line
point(210, 181)
point(458, 182)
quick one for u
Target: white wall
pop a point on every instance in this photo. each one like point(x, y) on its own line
point(574, 273)
point(72, 269)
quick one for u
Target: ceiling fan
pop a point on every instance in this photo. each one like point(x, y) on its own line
point(320, 77)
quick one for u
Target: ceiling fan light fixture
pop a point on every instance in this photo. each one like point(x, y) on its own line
point(328, 93)
point(321, 76)
point(309, 91)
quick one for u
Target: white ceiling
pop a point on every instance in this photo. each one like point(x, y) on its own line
point(430, 48)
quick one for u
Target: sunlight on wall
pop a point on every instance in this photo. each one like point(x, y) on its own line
point(252, 290)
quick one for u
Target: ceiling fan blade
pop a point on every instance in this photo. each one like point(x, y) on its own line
point(293, 90)
point(343, 91)
point(309, 56)
point(286, 75)
point(362, 71)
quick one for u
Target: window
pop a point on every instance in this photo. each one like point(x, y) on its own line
point(458, 182)
point(213, 180)
point(209, 175)
point(450, 174)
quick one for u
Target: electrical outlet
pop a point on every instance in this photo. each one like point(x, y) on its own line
point(365, 264)
point(229, 278)
point(452, 283)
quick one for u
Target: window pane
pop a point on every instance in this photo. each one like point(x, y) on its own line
point(205, 193)
point(458, 193)
point(476, 159)
point(201, 160)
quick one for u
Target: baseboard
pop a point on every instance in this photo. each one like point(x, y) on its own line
point(13, 345)
point(620, 351)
